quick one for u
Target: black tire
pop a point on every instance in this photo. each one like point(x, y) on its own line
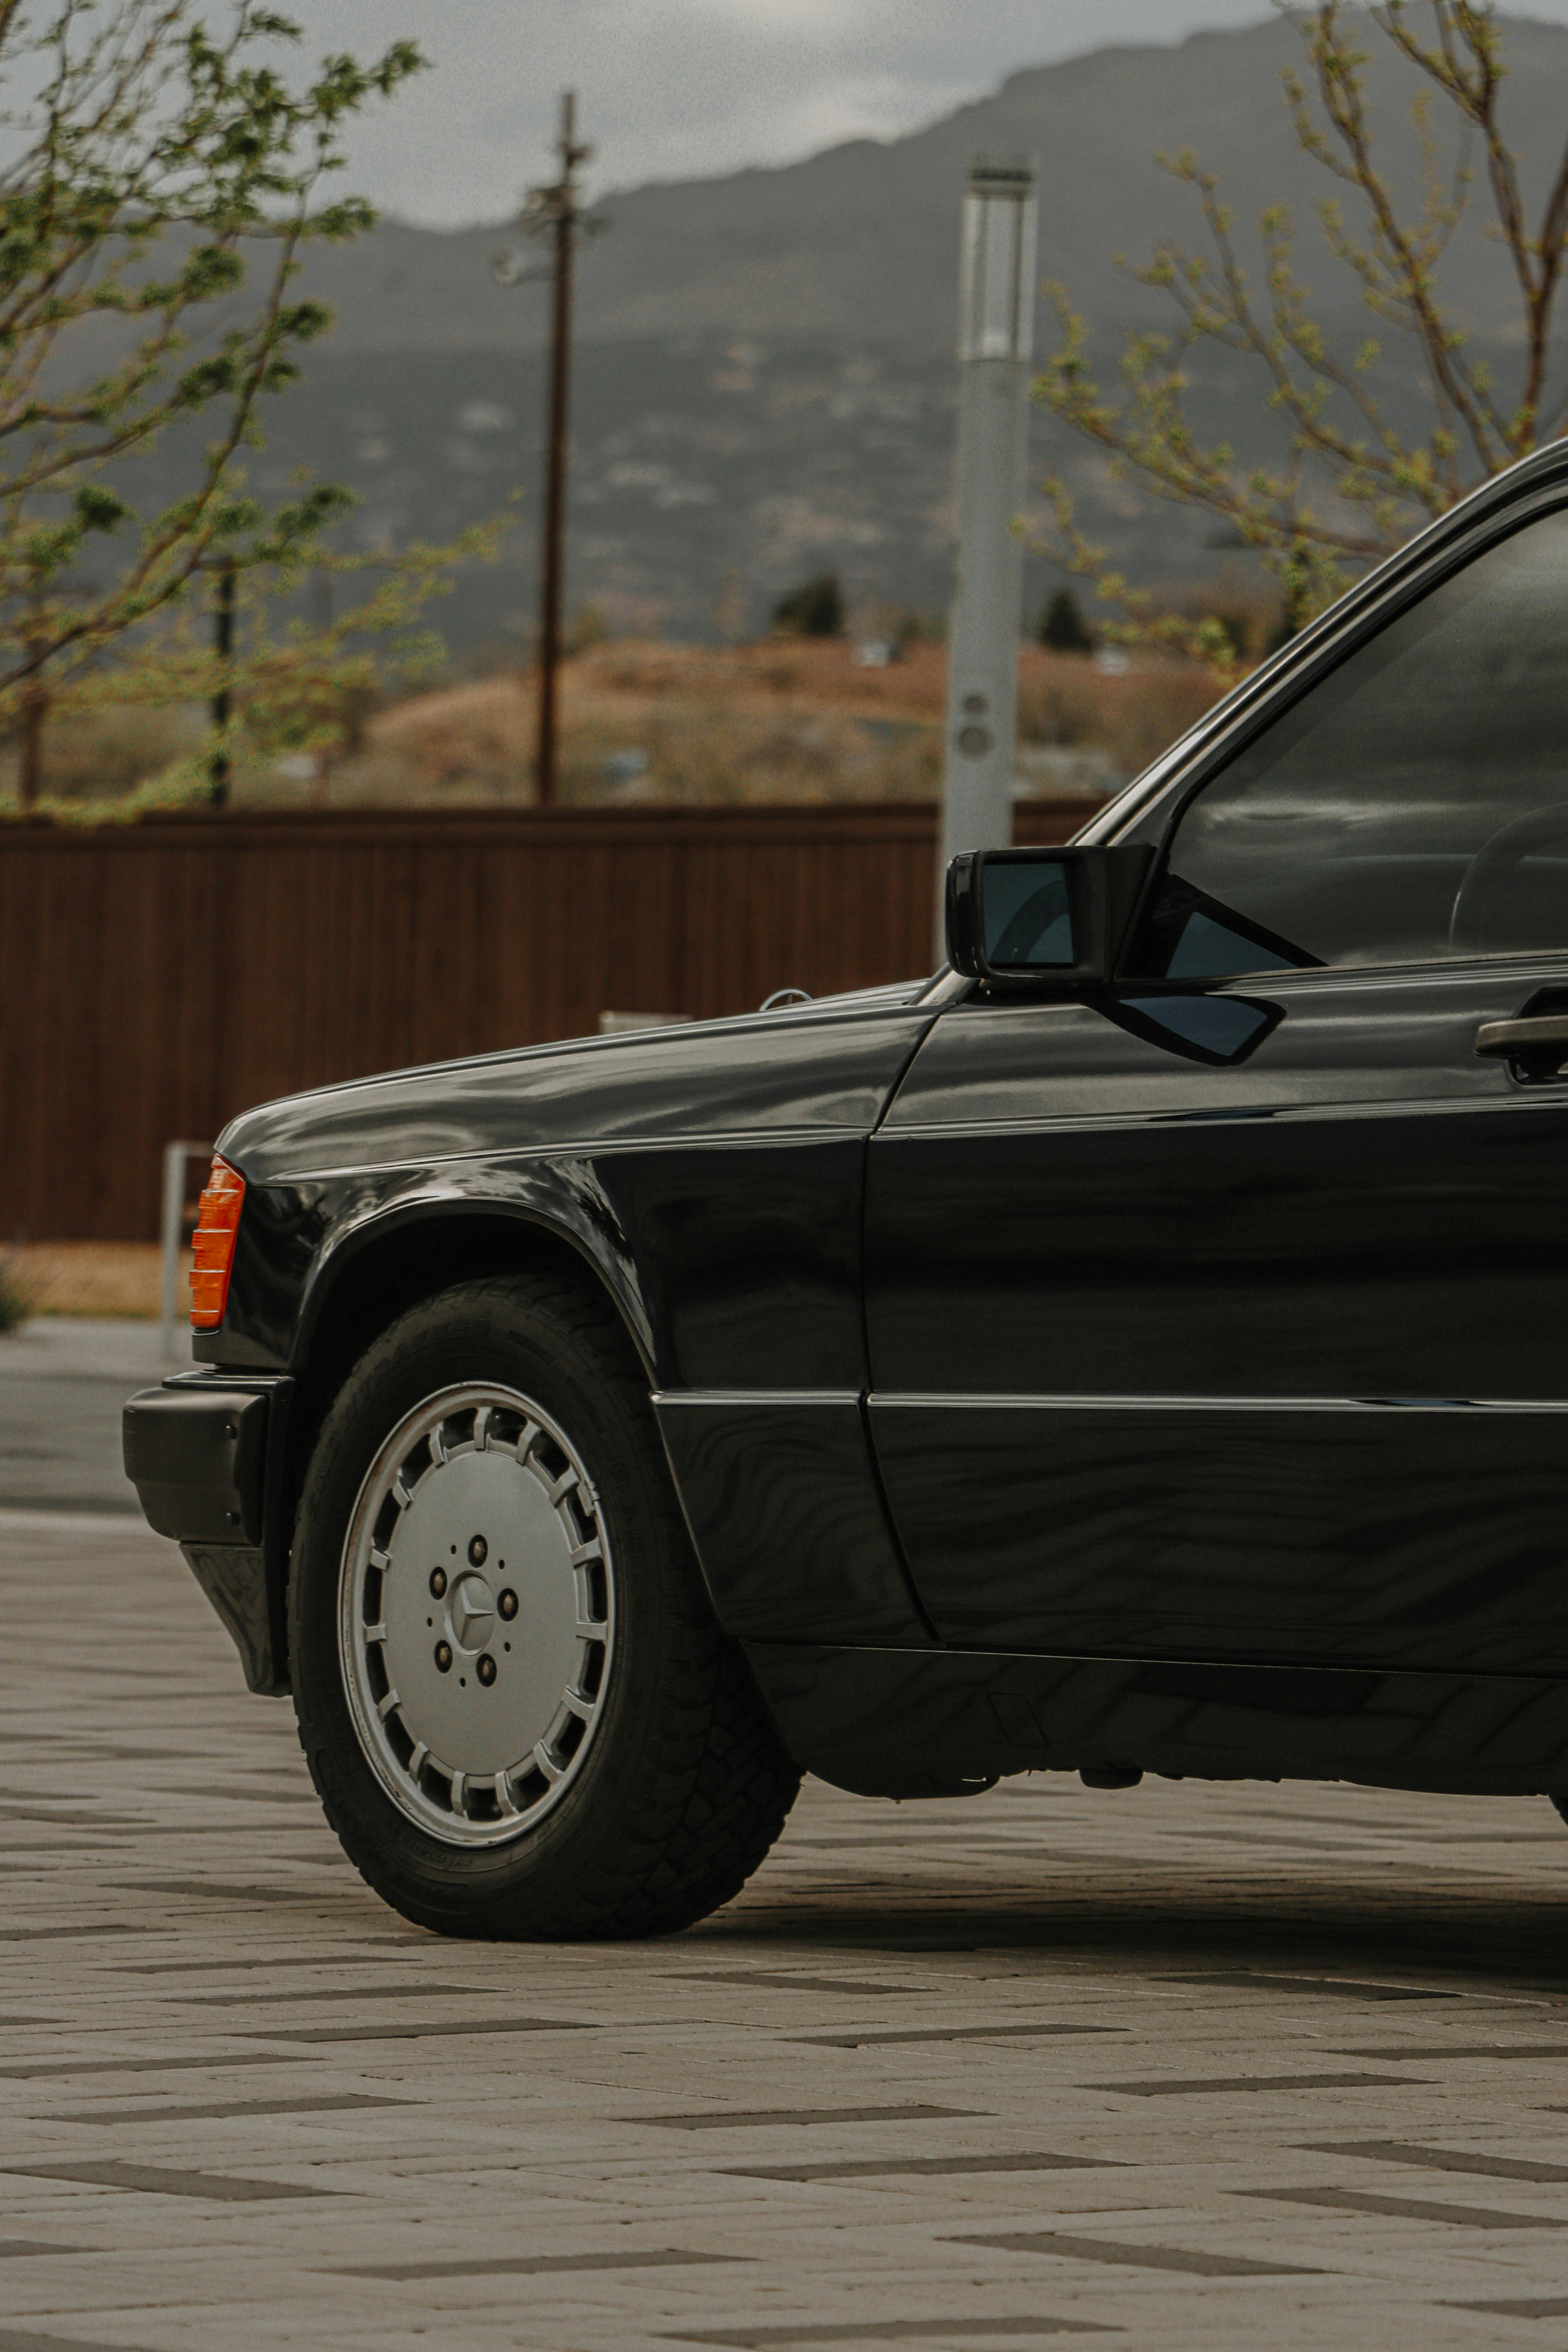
point(686, 1784)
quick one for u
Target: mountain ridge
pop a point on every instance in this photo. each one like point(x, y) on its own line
point(764, 366)
point(862, 239)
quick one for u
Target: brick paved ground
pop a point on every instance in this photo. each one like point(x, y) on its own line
point(63, 1382)
point(1185, 2065)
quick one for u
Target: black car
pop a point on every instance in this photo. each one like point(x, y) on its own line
point(1143, 1347)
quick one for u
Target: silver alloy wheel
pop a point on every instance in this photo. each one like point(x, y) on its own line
point(476, 1617)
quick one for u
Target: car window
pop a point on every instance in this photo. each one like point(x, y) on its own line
point(1413, 804)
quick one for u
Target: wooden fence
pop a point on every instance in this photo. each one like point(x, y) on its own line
point(158, 977)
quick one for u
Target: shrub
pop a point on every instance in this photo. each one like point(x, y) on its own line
point(815, 609)
point(104, 753)
point(14, 1304)
point(1062, 625)
point(1132, 717)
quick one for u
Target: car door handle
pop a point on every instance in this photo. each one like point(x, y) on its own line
point(1510, 1037)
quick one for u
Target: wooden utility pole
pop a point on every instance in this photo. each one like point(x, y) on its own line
point(561, 198)
point(554, 211)
point(35, 704)
point(322, 597)
point(222, 642)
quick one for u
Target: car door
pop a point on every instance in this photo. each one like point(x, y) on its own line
point(1226, 1313)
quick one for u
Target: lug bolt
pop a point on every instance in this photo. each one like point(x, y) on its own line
point(437, 1581)
point(486, 1670)
point(444, 1657)
point(479, 1551)
point(507, 1604)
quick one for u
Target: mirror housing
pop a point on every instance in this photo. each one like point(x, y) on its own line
point(1018, 917)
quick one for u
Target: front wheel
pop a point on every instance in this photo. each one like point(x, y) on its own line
point(517, 1709)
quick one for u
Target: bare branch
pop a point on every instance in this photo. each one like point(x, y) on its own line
point(1347, 484)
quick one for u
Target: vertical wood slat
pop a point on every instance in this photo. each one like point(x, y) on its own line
point(157, 978)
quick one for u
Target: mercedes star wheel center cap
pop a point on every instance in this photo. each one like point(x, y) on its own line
point(473, 1610)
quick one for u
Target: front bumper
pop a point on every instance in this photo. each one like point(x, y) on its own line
point(205, 1454)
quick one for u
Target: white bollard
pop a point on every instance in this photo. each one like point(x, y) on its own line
point(176, 1157)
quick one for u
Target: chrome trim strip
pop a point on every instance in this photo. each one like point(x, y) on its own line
point(900, 1400)
point(1480, 1104)
point(758, 1396)
point(981, 1400)
point(948, 987)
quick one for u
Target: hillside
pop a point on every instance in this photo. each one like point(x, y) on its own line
point(764, 379)
point(859, 246)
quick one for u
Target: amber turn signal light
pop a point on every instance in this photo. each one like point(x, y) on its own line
point(217, 1223)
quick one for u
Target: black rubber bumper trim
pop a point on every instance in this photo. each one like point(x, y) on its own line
point(205, 1454)
point(195, 1456)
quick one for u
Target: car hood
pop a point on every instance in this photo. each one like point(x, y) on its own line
point(828, 1064)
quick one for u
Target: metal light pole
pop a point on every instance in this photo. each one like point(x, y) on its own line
point(554, 212)
point(995, 343)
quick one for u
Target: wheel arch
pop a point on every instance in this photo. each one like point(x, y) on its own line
point(408, 1252)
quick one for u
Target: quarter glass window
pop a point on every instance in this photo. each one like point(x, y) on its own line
point(1411, 805)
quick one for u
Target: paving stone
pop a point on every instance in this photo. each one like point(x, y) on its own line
point(761, 2118)
point(894, 2331)
point(1132, 2257)
point(1039, 2065)
point(224, 2110)
point(1207, 2086)
point(73, 1930)
point(774, 1979)
point(47, 2070)
point(1411, 2209)
point(996, 2031)
point(251, 1997)
point(161, 2180)
point(944, 2167)
point(1252, 1980)
point(1440, 2160)
point(541, 2265)
point(1426, 2049)
point(424, 2032)
point(28, 2340)
point(1523, 2307)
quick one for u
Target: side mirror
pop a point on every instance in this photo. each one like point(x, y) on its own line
point(1016, 916)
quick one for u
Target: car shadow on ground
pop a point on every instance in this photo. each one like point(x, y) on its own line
point(1501, 1939)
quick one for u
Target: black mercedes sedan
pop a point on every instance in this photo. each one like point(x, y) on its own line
point(1141, 1347)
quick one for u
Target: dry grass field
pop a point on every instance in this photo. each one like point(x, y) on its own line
point(787, 719)
point(783, 720)
point(101, 1278)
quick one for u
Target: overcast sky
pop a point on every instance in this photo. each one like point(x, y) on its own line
point(677, 88)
